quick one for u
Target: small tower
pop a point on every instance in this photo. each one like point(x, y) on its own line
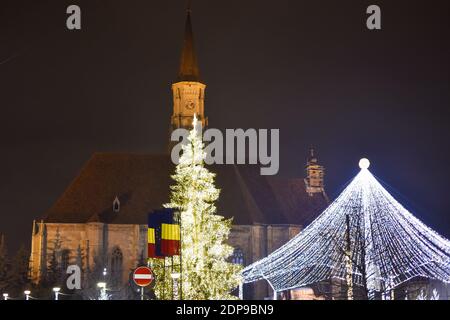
point(314, 175)
point(188, 91)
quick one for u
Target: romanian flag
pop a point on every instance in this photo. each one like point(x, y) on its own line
point(170, 239)
point(163, 234)
point(151, 245)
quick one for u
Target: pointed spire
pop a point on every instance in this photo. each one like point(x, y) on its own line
point(188, 63)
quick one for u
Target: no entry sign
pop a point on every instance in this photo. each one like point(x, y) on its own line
point(143, 276)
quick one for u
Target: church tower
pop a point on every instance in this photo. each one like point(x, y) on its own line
point(314, 175)
point(188, 91)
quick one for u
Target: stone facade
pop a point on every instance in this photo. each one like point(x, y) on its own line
point(82, 243)
point(188, 99)
point(255, 242)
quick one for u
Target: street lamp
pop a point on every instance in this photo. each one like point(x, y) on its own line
point(5, 296)
point(175, 276)
point(27, 294)
point(102, 286)
point(56, 291)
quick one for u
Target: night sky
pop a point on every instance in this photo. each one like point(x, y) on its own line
point(310, 68)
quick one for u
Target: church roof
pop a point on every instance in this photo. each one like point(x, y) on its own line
point(141, 183)
point(189, 70)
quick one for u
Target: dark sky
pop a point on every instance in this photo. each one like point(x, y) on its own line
point(310, 68)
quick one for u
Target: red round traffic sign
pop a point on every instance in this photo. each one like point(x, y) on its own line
point(143, 276)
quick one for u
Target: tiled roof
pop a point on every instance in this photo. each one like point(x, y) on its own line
point(141, 182)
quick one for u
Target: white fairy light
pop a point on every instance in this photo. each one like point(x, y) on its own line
point(388, 245)
point(364, 163)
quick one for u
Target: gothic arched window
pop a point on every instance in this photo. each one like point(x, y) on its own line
point(237, 257)
point(116, 266)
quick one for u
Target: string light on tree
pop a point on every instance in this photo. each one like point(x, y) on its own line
point(385, 243)
point(206, 273)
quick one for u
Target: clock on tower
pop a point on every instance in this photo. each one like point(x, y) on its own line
point(190, 105)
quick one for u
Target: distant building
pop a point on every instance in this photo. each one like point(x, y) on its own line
point(101, 217)
point(314, 175)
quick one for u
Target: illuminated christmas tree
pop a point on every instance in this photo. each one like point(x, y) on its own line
point(364, 239)
point(206, 273)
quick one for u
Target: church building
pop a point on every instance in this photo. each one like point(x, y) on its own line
point(101, 217)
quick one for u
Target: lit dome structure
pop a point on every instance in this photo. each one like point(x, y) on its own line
point(365, 237)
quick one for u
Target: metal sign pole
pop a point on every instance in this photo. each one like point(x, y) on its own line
point(142, 293)
point(241, 291)
point(171, 273)
point(164, 280)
